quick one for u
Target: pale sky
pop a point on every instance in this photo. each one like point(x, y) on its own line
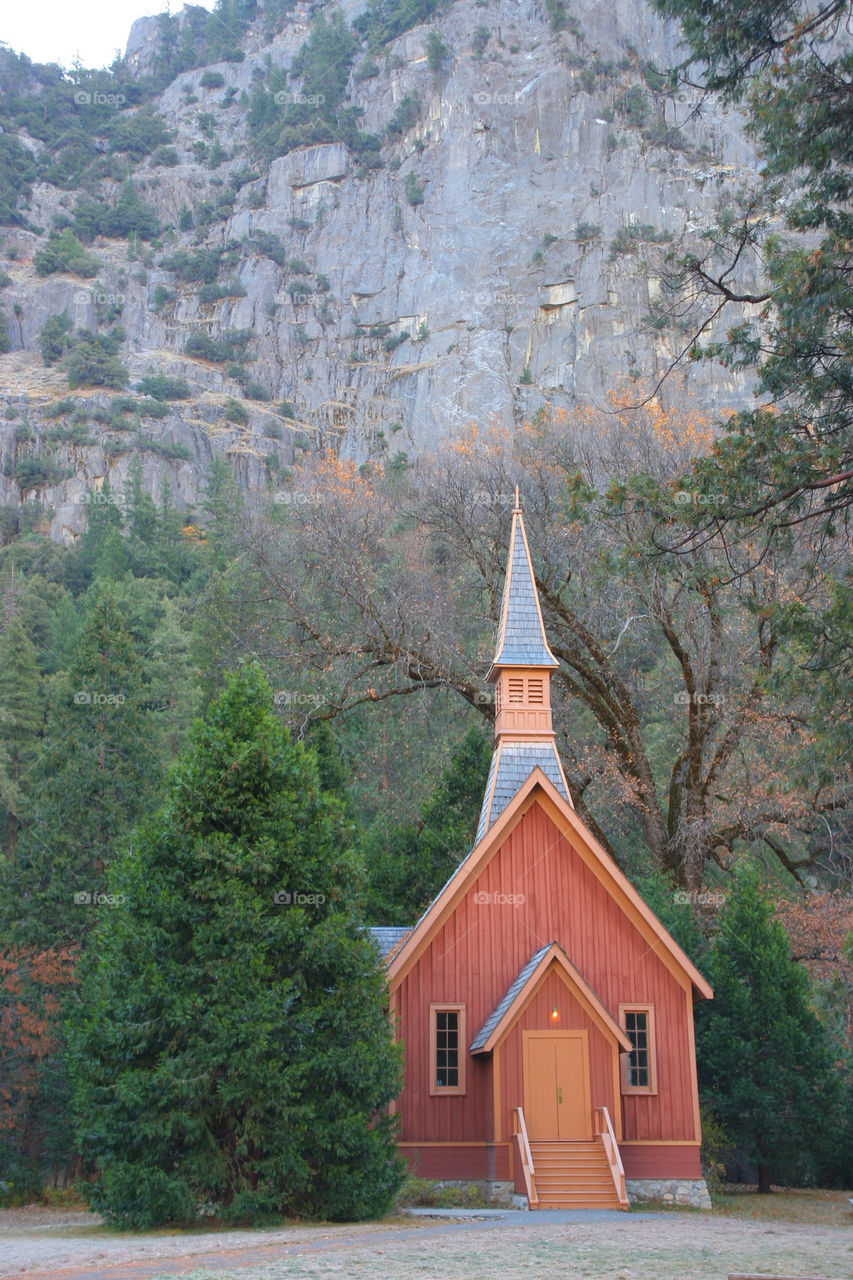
point(61, 30)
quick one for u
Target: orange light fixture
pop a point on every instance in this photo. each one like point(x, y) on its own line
point(555, 1015)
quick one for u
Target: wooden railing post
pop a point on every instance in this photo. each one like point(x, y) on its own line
point(604, 1131)
point(519, 1131)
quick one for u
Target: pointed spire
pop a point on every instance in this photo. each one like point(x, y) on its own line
point(521, 672)
point(521, 631)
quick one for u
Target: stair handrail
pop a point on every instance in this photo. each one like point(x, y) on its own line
point(611, 1151)
point(519, 1129)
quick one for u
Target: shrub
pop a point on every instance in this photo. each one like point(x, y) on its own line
point(480, 39)
point(557, 14)
point(437, 51)
point(406, 116)
point(153, 409)
point(64, 252)
point(194, 265)
point(236, 412)
point(58, 409)
point(213, 292)
point(161, 387)
point(368, 69)
point(269, 246)
point(89, 364)
point(162, 295)
point(391, 344)
point(286, 409)
point(166, 156)
point(585, 231)
point(627, 238)
point(256, 391)
point(54, 338)
point(632, 104)
point(660, 134)
point(32, 472)
point(230, 346)
point(91, 360)
point(414, 189)
point(139, 132)
point(74, 433)
point(212, 80)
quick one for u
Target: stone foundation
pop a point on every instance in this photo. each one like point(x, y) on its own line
point(688, 1191)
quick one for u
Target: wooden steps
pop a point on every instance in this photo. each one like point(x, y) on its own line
point(573, 1175)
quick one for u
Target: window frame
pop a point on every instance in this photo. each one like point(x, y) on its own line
point(455, 1090)
point(624, 1058)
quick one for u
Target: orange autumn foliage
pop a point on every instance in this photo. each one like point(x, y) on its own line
point(31, 986)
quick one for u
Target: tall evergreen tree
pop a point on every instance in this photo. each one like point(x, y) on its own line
point(232, 1043)
point(103, 518)
point(21, 718)
point(406, 866)
point(141, 516)
point(94, 780)
point(766, 1064)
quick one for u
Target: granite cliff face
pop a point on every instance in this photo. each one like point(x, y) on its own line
point(516, 265)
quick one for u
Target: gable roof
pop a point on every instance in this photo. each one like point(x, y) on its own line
point(388, 937)
point(521, 631)
point(521, 991)
point(512, 764)
point(538, 789)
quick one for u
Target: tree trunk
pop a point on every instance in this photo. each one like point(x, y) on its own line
point(764, 1179)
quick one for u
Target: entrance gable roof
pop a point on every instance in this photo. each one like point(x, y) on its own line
point(539, 789)
point(525, 986)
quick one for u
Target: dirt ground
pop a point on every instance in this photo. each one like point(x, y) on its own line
point(54, 1245)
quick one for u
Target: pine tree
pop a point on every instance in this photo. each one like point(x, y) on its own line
point(173, 552)
point(232, 1043)
point(766, 1065)
point(94, 780)
point(21, 718)
point(406, 866)
point(141, 516)
point(791, 457)
point(103, 518)
point(174, 693)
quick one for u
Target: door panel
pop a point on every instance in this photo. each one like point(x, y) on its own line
point(556, 1086)
point(573, 1118)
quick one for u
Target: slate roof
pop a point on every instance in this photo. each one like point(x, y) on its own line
point(501, 1007)
point(387, 937)
point(512, 764)
point(521, 634)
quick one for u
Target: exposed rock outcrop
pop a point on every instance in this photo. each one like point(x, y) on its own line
point(515, 266)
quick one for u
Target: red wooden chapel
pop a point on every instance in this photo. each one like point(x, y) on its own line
point(546, 1014)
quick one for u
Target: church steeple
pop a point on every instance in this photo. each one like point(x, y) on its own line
point(521, 673)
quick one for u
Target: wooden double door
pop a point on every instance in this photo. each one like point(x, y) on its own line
point(556, 1086)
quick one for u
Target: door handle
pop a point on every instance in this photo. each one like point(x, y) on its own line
point(559, 1095)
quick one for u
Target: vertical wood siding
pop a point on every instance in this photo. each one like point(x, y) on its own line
point(535, 890)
